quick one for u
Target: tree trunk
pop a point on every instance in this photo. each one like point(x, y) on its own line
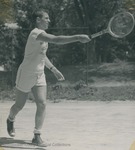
point(79, 11)
point(91, 56)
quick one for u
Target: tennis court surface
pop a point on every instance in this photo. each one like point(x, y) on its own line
point(73, 125)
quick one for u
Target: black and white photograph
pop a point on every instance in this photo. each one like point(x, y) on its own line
point(67, 75)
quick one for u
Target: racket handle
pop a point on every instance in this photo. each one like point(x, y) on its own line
point(98, 33)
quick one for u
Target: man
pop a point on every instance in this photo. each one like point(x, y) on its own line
point(31, 76)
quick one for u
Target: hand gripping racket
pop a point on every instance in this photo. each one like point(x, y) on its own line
point(119, 25)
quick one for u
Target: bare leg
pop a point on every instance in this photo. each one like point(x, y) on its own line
point(39, 93)
point(21, 98)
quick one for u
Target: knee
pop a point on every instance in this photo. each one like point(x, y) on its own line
point(41, 105)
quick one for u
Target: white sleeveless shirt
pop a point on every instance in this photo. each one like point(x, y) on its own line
point(35, 53)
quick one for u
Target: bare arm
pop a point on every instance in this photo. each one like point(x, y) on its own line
point(48, 63)
point(63, 39)
point(55, 71)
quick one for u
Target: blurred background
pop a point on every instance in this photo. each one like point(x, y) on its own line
point(104, 61)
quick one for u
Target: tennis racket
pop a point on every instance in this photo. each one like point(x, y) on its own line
point(119, 25)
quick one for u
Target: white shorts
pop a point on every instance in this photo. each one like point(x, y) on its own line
point(26, 80)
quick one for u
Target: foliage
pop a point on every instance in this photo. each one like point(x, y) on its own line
point(129, 4)
point(60, 18)
point(66, 16)
point(69, 17)
point(6, 48)
point(96, 16)
point(6, 11)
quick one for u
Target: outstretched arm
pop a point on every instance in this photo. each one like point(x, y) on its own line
point(61, 39)
point(56, 72)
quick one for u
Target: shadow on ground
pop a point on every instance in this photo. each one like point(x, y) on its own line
point(17, 144)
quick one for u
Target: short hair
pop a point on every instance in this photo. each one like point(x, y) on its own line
point(39, 13)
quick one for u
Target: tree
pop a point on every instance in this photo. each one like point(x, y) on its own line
point(61, 14)
point(6, 11)
point(6, 34)
point(95, 15)
point(70, 17)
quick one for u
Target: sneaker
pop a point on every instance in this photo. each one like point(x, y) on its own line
point(10, 128)
point(38, 141)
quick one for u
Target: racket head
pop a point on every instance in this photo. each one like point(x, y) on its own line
point(121, 24)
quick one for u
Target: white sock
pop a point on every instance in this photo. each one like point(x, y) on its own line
point(11, 119)
point(36, 131)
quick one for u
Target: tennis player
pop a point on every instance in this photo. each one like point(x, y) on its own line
point(31, 76)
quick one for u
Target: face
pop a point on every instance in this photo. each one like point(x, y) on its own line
point(44, 21)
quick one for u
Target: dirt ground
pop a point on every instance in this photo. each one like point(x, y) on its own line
point(73, 125)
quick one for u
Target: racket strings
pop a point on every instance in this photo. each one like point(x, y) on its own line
point(121, 24)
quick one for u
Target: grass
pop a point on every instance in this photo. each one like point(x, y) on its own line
point(97, 74)
point(108, 81)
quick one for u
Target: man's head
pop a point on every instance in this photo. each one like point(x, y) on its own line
point(42, 19)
